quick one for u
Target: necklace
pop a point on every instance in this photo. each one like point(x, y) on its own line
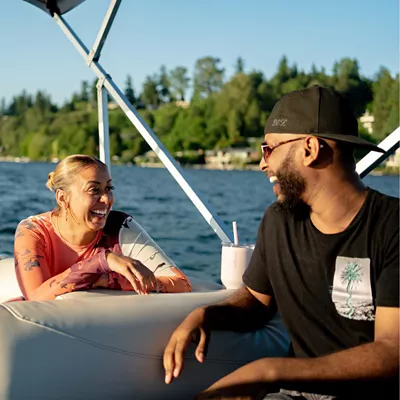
point(63, 238)
point(58, 230)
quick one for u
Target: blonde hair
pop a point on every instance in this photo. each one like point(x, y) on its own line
point(64, 174)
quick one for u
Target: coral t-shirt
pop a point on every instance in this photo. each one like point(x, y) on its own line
point(48, 266)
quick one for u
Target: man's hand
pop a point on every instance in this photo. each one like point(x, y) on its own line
point(244, 309)
point(250, 382)
point(189, 330)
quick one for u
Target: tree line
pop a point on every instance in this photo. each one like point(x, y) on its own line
point(201, 112)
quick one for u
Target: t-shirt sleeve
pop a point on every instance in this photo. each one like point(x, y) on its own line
point(256, 277)
point(387, 287)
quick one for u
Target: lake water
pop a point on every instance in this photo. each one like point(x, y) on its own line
point(156, 201)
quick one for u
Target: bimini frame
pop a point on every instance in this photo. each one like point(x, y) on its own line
point(105, 86)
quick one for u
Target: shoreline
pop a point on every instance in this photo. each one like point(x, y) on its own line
point(248, 167)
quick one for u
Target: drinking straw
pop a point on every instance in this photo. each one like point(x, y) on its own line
point(235, 233)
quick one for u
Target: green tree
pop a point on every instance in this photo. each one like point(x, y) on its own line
point(316, 77)
point(149, 95)
point(3, 107)
point(208, 76)
point(115, 144)
point(252, 120)
point(42, 104)
point(385, 106)
point(90, 147)
point(84, 96)
point(129, 91)
point(284, 72)
point(238, 105)
point(239, 65)
point(179, 82)
point(164, 119)
point(392, 121)
point(221, 114)
point(67, 107)
point(164, 86)
point(235, 123)
point(11, 135)
point(346, 79)
point(93, 91)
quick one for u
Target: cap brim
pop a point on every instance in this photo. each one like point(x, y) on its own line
point(354, 140)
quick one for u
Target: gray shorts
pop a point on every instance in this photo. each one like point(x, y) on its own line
point(293, 395)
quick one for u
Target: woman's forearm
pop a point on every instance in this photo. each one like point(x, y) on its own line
point(79, 276)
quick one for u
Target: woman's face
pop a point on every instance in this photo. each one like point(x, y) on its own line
point(90, 198)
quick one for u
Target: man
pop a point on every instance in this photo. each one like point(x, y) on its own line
point(327, 253)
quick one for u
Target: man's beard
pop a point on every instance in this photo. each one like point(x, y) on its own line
point(292, 187)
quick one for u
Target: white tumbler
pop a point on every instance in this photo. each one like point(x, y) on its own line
point(234, 261)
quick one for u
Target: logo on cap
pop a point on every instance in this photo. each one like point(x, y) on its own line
point(279, 122)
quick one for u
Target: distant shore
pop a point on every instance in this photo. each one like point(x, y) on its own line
point(230, 167)
point(381, 171)
point(249, 167)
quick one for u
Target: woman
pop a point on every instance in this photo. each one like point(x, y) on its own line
point(76, 246)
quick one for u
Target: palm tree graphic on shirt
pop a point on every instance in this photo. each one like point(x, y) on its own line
point(352, 275)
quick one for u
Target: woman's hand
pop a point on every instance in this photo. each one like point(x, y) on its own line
point(140, 277)
point(101, 282)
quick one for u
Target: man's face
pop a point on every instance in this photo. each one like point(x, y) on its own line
point(289, 184)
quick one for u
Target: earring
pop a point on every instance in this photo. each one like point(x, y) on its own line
point(66, 213)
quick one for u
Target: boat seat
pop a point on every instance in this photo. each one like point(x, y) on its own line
point(90, 346)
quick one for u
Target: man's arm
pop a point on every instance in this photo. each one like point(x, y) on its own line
point(342, 372)
point(243, 311)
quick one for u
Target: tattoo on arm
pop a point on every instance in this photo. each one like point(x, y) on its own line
point(32, 262)
point(52, 282)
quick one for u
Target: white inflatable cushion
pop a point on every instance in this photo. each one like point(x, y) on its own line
point(110, 347)
point(9, 287)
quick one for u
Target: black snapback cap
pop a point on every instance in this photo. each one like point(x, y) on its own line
point(317, 111)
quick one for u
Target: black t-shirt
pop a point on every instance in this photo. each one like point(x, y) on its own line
point(327, 286)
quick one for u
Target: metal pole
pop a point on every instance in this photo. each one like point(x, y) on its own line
point(104, 132)
point(154, 142)
point(373, 159)
point(103, 32)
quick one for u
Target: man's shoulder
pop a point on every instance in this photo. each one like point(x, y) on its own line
point(274, 211)
point(384, 205)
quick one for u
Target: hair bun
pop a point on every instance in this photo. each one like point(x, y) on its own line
point(50, 181)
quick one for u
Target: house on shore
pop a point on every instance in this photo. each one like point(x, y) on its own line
point(228, 157)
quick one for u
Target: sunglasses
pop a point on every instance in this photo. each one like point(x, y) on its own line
point(267, 149)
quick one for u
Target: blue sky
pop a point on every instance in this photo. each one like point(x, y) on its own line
point(146, 34)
